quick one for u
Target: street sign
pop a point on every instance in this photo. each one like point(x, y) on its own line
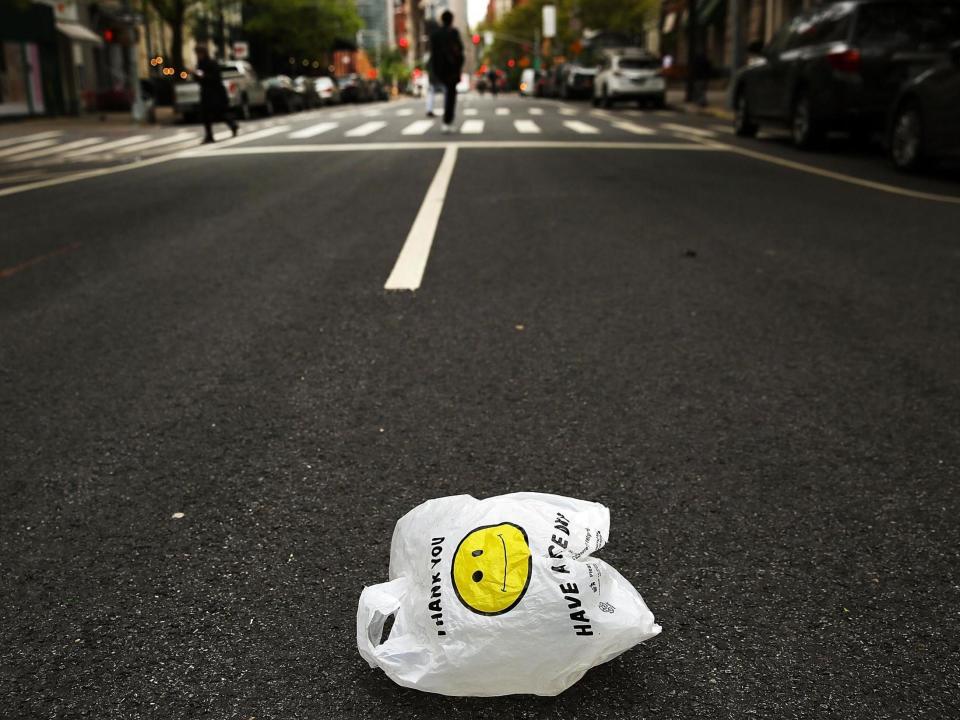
point(549, 21)
point(241, 50)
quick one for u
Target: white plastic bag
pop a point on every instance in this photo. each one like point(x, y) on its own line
point(500, 596)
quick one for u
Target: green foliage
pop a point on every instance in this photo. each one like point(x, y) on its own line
point(393, 67)
point(302, 27)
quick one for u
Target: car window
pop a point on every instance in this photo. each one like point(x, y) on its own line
point(909, 25)
point(639, 63)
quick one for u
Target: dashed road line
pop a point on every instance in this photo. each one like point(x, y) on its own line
point(581, 127)
point(526, 127)
point(313, 130)
point(471, 127)
point(26, 148)
point(31, 138)
point(689, 130)
point(632, 127)
point(53, 150)
point(470, 111)
point(367, 128)
point(536, 111)
point(107, 146)
point(417, 127)
point(169, 140)
point(567, 111)
point(502, 111)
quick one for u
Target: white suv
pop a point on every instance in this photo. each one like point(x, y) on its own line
point(629, 75)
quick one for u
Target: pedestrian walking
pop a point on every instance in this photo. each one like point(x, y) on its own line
point(433, 87)
point(214, 103)
point(492, 74)
point(446, 62)
point(702, 69)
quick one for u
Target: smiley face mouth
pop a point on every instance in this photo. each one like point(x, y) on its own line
point(504, 543)
point(474, 568)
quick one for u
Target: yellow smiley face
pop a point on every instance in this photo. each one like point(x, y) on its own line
point(491, 568)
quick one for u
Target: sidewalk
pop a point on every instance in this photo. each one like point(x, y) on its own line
point(716, 103)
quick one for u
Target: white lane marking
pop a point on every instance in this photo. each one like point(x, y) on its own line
point(373, 113)
point(85, 175)
point(30, 138)
point(76, 144)
point(407, 273)
point(581, 127)
point(725, 129)
point(502, 111)
point(471, 127)
point(632, 128)
point(367, 128)
point(178, 138)
point(247, 137)
point(687, 129)
point(313, 130)
point(406, 112)
point(470, 111)
point(526, 126)
point(108, 146)
point(536, 111)
point(567, 111)
point(433, 145)
point(29, 146)
point(417, 127)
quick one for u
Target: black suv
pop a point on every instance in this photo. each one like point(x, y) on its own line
point(841, 65)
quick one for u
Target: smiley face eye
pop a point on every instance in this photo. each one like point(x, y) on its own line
point(477, 576)
point(477, 553)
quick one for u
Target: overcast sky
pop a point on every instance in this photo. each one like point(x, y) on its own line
point(476, 9)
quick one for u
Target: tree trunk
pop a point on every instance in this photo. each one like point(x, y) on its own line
point(176, 29)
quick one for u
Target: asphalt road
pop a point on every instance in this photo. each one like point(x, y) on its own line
point(749, 354)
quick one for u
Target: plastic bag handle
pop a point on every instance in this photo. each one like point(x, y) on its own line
point(377, 603)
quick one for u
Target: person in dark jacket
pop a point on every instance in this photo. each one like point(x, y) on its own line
point(214, 103)
point(446, 62)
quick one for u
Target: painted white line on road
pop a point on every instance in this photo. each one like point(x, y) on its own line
point(29, 146)
point(406, 112)
point(178, 138)
point(536, 111)
point(581, 127)
point(312, 131)
point(632, 128)
point(471, 127)
point(526, 127)
point(107, 146)
point(407, 273)
point(31, 138)
point(466, 145)
point(372, 113)
point(502, 111)
point(76, 144)
point(367, 128)
point(567, 111)
point(470, 111)
point(247, 137)
point(417, 127)
point(688, 130)
point(85, 175)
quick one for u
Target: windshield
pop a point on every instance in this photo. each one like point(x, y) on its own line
point(639, 63)
point(909, 25)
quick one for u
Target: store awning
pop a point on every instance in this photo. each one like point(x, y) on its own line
point(78, 33)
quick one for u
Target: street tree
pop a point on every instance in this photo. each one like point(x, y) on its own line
point(618, 16)
point(174, 13)
point(302, 27)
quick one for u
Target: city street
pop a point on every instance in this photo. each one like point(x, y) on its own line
point(227, 370)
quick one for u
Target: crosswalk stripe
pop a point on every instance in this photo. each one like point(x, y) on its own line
point(689, 130)
point(406, 112)
point(536, 111)
point(313, 130)
point(581, 127)
point(31, 138)
point(368, 128)
point(503, 111)
point(417, 127)
point(567, 111)
point(179, 137)
point(373, 113)
point(255, 135)
point(25, 148)
point(75, 145)
point(632, 128)
point(107, 146)
point(526, 126)
point(471, 127)
point(470, 111)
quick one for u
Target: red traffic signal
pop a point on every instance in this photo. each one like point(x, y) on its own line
point(403, 43)
point(476, 38)
point(511, 62)
point(108, 35)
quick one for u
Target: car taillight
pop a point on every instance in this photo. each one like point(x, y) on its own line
point(232, 87)
point(846, 60)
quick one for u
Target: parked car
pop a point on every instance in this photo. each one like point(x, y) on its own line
point(549, 85)
point(925, 121)
point(528, 82)
point(283, 95)
point(629, 74)
point(840, 66)
point(244, 91)
point(377, 90)
point(353, 88)
point(307, 90)
point(328, 90)
point(576, 78)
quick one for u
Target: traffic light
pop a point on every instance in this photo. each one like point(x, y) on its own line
point(108, 36)
point(403, 43)
point(511, 62)
point(476, 38)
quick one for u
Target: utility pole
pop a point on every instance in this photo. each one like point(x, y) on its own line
point(691, 45)
point(137, 110)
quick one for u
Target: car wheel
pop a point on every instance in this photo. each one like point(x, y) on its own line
point(906, 138)
point(804, 128)
point(743, 124)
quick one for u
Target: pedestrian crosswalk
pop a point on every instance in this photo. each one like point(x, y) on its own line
point(536, 122)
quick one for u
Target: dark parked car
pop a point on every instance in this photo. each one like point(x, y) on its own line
point(840, 66)
point(282, 94)
point(925, 121)
point(307, 89)
point(353, 88)
point(576, 78)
